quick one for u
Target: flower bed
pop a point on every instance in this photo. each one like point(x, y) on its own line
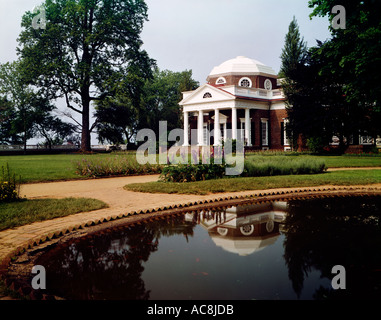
point(9, 187)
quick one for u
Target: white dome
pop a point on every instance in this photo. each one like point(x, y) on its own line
point(242, 66)
point(244, 246)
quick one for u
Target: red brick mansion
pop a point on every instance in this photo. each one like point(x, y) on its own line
point(243, 99)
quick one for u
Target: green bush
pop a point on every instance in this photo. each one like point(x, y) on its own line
point(9, 186)
point(316, 144)
point(258, 167)
point(200, 167)
point(115, 166)
point(192, 172)
point(254, 166)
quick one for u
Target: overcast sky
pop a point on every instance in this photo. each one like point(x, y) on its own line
point(199, 34)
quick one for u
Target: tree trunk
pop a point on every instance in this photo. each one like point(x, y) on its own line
point(24, 138)
point(301, 143)
point(85, 96)
point(85, 138)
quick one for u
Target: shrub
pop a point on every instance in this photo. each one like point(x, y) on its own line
point(254, 166)
point(192, 172)
point(115, 166)
point(205, 169)
point(257, 167)
point(9, 186)
point(316, 144)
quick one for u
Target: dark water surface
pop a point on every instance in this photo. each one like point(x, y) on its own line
point(271, 250)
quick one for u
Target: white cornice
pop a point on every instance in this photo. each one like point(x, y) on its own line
point(195, 97)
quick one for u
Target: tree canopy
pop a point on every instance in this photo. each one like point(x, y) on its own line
point(355, 50)
point(294, 51)
point(25, 112)
point(86, 52)
point(121, 117)
point(336, 89)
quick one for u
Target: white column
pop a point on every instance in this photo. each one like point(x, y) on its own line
point(200, 128)
point(186, 125)
point(247, 126)
point(234, 123)
point(217, 130)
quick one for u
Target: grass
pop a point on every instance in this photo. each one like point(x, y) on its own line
point(39, 168)
point(24, 212)
point(351, 177)
point(349, 161)
point(42, 168)
point(344, 161)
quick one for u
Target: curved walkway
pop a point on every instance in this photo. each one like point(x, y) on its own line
point(121, 202)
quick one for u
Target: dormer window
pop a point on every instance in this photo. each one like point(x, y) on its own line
point(245, 82)
point(221, 80)
point(207, 95)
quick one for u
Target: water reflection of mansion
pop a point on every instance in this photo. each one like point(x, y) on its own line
point(243, 229)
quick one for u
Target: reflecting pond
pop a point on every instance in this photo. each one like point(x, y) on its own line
point(269, 250)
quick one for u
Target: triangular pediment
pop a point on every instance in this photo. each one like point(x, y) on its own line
point(205, 94)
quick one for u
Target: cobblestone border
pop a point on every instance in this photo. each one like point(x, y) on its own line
point(137, 217)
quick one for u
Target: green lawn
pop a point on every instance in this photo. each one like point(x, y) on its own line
point(334, 161)
point(37, 168)
point(40, 168)
point(20, 213)
point(350, 177)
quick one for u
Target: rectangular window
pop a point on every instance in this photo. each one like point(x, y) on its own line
point(286, 141)
point(252, 133)
point(242, 131)
point(265, 132)
point(366, 140)
point(206, 136)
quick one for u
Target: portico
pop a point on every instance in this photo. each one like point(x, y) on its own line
point(217, 123)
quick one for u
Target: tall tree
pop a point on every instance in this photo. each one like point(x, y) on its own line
point(355, 56)
point(335, 90)
point(8, 133)
point(23, 102)
point(162, 96)
point(316, 104)
point(85, 53)
point(25, 112)
point(121, 117)
point(294, 51)
point(53, 129)
point(117, 121)
point(293, 59)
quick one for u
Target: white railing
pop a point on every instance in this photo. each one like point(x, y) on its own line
point(255, 92)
